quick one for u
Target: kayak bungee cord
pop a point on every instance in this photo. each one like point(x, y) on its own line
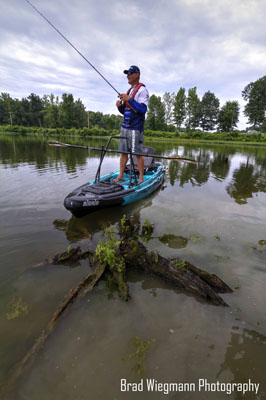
point(50, 23)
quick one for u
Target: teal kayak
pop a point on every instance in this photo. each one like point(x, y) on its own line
point(104, 193)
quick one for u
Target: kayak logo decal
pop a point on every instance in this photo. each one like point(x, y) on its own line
point(88, 203)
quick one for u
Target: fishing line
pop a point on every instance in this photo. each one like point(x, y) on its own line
point(50, 23)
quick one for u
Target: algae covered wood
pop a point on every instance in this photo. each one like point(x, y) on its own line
point(181, 273)
point(123, 250)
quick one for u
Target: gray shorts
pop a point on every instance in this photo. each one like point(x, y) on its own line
point(135, 140)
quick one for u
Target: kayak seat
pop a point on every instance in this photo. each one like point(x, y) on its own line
point(103, 187)
point(148, 161)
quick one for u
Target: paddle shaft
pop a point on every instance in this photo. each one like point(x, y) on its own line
point(181, 158)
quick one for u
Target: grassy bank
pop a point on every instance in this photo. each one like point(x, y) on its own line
point(195, 136)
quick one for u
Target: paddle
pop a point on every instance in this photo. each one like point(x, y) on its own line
point(174, 157)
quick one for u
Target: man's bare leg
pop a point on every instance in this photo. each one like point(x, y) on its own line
point(123, 161)
point(140, 162)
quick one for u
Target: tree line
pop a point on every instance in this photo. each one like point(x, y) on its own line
point(52, 112)
point(171, 112)
point(178, 110)
point(186, 110)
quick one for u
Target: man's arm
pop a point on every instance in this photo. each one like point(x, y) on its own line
point(120, 106)
point(141, 102)
point(139, 107)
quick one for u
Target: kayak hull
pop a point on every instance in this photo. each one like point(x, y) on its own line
point(93, 196)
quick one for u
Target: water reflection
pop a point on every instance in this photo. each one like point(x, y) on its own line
point(200, 201)
point(240, 361)
point(220, 165)
point(198, 174)
point(77, 229)
point(247, 180)
point(247, 176)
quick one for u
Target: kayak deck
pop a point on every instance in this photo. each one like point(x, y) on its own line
point(103, 192)
point(106, 193)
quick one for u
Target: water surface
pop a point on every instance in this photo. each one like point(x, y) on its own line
point(211, 214)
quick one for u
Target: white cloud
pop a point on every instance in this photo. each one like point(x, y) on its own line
point(217, 46)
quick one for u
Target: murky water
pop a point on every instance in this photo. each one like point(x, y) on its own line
point(211, 214)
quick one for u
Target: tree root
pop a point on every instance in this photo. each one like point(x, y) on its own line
point(185, 275)
point(123, 289)
point(86, 285)
point(69, 256)
point(116, 257)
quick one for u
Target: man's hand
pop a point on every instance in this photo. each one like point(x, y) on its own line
point(124, 97)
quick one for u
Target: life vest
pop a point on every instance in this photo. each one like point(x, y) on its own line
point(132, 119)
point(135, 90)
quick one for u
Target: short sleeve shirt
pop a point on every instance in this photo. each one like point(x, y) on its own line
point(142, 95)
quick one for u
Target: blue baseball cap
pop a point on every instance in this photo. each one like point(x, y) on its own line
point(133, 69)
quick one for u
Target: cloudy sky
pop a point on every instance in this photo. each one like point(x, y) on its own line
point(214, 45)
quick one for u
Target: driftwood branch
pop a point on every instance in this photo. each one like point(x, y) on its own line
point(71, 255)
point(115, 257)
point(179, 272)
point(182, 274)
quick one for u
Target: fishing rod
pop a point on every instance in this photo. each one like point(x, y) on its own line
point(174, 157)
point(57, 30)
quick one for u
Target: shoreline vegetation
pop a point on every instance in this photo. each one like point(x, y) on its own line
point(236, 137)
point(182, 116)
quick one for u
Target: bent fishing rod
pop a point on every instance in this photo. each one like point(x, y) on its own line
point(174, 157)
point(61, 34)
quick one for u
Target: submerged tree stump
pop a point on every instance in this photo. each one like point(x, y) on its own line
point(115, 257)
point(179, 272)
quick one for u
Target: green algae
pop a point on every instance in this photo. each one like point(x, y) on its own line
point(107, 252)
point(196, 237)
point(146, 231)
point(139, 353)
point(179, 263)
point(17, 308)
point(173, 241)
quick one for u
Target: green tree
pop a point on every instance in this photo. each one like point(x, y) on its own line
point(118, 121)
point(179, 105)
point(96, 119)
point(16, 112)
point(108, 122)
point(35, 110)
point(66, 111)
point(255, 95)
point(193, 109)
point(80, 114)
point(24, 111)
point(50, 111)
point(168, 100)
point(228, 116)
point(209, 110)
point(6, 109)
point(156, 114)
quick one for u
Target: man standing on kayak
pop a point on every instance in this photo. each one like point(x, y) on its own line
point(133, 105)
